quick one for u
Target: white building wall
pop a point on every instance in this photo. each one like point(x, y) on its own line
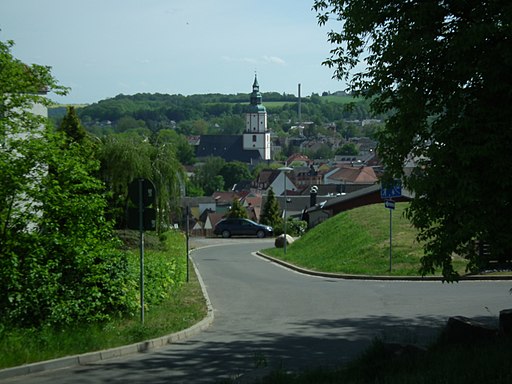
point(278, 184)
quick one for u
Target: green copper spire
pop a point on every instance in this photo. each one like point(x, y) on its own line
point(256, 97)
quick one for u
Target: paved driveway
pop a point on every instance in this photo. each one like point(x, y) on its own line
point(266, 315)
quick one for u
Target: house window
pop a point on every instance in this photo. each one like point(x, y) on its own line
point(253, 138)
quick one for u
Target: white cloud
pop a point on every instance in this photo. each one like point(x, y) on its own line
point(264, 60)
point(274, 60)
point(239, 60)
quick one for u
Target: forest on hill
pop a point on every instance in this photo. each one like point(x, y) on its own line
point(214, 113)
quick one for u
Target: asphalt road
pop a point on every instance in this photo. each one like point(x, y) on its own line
point(266, 315)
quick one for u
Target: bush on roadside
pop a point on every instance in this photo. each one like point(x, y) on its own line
point(294, 227)
point(164, 270)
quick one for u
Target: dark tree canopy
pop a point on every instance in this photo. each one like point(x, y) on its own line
point(72, 126)
point(234, 172)
point(443, 72)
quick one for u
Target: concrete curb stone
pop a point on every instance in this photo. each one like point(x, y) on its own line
point(379, 278)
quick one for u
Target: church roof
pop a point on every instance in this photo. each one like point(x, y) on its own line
point(228, 147)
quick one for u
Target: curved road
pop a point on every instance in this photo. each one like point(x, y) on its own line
point(266, 315)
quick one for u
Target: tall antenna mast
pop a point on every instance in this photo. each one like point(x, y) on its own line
point(299, 111)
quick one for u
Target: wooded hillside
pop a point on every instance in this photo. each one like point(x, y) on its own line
point(212, 113)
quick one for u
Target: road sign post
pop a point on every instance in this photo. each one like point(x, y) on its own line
point(391, 206)
point(389, 191)
point(187, 226)
point(142, 193)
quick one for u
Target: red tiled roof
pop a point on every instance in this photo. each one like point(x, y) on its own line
point(298, 157)
point(225, 197)
point(355, 175)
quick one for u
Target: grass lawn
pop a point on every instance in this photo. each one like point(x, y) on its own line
point(357, 242)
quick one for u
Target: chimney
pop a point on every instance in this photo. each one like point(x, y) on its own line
point(312, 195)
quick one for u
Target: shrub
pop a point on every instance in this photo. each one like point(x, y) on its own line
point(294, 227)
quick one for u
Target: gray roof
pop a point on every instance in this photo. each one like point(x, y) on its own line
point(228, 147)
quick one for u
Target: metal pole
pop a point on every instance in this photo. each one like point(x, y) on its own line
point(390, 238)
point(141, 233)
point(285, 170)
point(188, 238)
point(284, 225)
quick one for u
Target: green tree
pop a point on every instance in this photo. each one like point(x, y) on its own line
point(237, 210)
point(125, 157)
point(324, 152)
point(72, 126)
point(440, 70)
point(271, 214)
point(194, 127)
point(169, 178)
point(349, 149)
point(127, 123)
point(184, 151)
point(58, 264)
point(207, 176)
point(233, 172)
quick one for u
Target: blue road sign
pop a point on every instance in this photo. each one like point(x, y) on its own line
point(392, 189)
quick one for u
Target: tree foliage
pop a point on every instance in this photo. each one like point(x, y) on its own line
point(237, 210)
point(271, 214)
point(442, 70)
point(211, 113)
point(233, 172)
point(125, 157)
point(58, 262)
point(208, 177)
point(72, 126)
point(348, 149)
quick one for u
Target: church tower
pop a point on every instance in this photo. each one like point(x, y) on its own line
point(256, 134)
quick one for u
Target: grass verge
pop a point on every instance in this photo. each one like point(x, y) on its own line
point(183, 309)
point(357, 242)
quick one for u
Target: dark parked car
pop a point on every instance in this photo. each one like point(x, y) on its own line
point(242, 227)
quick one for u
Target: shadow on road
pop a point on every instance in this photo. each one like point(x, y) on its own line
point(334, 341)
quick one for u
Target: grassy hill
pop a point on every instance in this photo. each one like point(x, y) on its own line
point(357, 242)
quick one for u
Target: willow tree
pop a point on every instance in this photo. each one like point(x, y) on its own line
point(169, 178)
point(123, 158)
point(126, 157)
point(442, 71)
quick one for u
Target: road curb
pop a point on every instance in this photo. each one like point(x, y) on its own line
point(310, 272)
point(140, 347)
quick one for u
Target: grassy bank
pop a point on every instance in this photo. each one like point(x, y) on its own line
point(357, 242)
point(184, 308)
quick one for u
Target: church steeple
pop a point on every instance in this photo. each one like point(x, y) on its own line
point(256, 99)
point(256, 134)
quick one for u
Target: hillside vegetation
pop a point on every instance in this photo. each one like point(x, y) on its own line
point(215, 112)
point(357, 242)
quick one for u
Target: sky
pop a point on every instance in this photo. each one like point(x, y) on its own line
point(103, 48)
